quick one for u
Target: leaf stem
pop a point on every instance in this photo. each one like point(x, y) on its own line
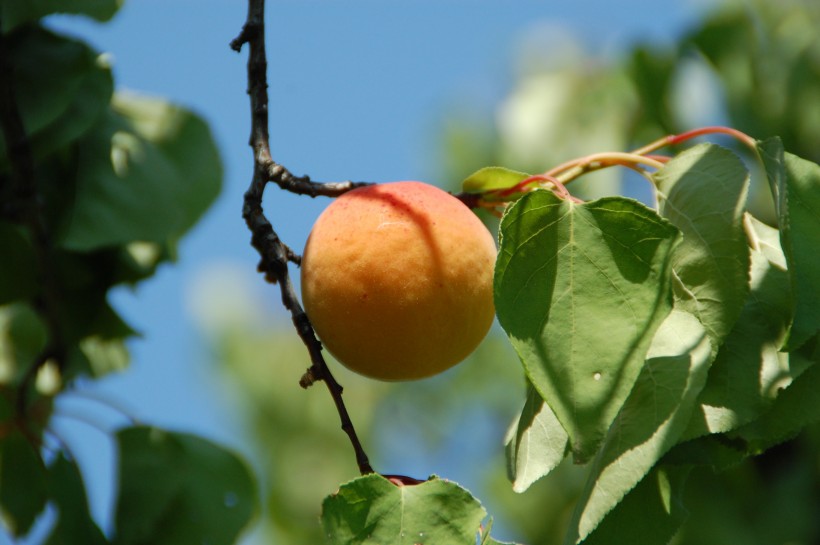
point(275, 255)
point(674, 139)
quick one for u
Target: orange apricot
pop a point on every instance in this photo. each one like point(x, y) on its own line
point(397, 280)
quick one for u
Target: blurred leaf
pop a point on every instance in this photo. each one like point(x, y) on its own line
point(489, 178)
point(749, 368)
point(104, 355)
point(702, 192)
point(651, 71)
point(22, 338)
point(16, 12)
point(649, 515)
point(22, 483)
point(487, 539)
point(371, 510)
point(74, 523)
point(795, 184)
point(178, 489)
point(650, 422)
point(44, 62)
point(148, 160)
point(16, 278)
point(580, 290)
point(537, 443)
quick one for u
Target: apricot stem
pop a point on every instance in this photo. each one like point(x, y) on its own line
point(275, 255)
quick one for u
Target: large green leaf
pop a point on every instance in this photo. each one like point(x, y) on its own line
point(147, 173)
point(750, 369)
point(62, 90)
point(179, 489)
point(74, 523)
point(702, 192)
point(580, 291)
point(22, 483)
point(649, 515)
point(16, 12)
point(536, 444)
point(795, 184)
point(795, 408)
point(371, 510)
point(651, 421)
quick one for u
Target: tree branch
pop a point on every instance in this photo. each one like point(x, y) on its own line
point(275, 255)
point(25, 206)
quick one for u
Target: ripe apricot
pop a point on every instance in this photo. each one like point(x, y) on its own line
point(397, 280)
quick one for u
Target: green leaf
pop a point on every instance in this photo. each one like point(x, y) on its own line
point(537, 443)
point(702, 192)
point(489, 178)
point(22, 337)
point(649, 515)
point(716, 451)
point(16, 278)
point(795, 408)
point(150, 160)
point(580, 291)
point(62, 90)
point(74, 523)
point(795, 184)
point(651, 421)
point(16, 12)
point(22, 483)
point(179, 489)
point(371, 510)
point(750, 369)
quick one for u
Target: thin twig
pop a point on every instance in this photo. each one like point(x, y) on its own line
point(275, 255)
point(26, 207)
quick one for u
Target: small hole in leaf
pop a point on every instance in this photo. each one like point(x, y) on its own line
point(597, 375)
point(230, 500)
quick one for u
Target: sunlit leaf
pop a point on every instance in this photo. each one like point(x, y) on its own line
point(580, 291)
point(651, 421)
point(371, 510)
point(702, 192)
point(537, 443)
point(148, 160)
point(489, 178)
point(179, 489)
point(795, 184)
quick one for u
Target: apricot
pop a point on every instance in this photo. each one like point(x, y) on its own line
point(397, 280)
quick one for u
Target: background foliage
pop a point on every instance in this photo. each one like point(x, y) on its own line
point(97, 187)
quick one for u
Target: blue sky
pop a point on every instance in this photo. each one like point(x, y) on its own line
point(358, 90)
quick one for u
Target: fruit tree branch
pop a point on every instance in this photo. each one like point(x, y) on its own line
point(275, 255)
